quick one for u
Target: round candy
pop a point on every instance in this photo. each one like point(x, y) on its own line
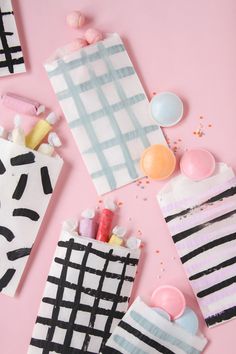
point(75, 45)
point(188, 321)
point(158, 162)
point(170, 299)
point(166, 109)
point(92, 35)
point(197, 164)
point(162, 313)
point(75, 19)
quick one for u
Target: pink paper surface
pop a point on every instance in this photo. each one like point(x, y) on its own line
point(183, 46)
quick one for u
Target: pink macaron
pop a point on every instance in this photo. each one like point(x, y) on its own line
point(197, 164)
point(75, 19)
point(93, 36)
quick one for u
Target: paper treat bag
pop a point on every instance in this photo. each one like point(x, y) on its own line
point(107, 110)
point(201, 217)
point(142, 331)
point(86, 295)
point(11, 56)
point(27, 180)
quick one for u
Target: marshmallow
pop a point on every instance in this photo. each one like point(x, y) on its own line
point(75, 19)
point(92, 36)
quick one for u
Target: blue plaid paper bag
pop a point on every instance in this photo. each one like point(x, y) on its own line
point(107, 110)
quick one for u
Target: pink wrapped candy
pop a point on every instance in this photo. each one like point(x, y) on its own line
point(75, 19)
point(92, 35)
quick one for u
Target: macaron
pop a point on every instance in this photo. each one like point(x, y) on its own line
point(197, 164)
point(166, 109)
point(188, 321)
point(169, 299)
point(158, 162)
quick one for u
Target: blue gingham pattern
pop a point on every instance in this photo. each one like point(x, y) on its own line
point(107, 110)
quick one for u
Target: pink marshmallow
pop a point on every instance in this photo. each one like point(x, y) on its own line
point(75, 19)
point(92, 35)
point(76, 45)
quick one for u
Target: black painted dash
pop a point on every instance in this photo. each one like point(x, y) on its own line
point(27, 213)
point(46, 182)
point(19, 253)
point(7, 233)
point(2, 168)
point(20, 188)
point(6, 278)
point(23, 159)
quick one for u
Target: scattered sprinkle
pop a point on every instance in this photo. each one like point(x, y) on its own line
point(162, 269)
point(145, 199)
point(157, 251)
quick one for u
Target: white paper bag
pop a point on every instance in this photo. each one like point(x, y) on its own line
point(201, 217)
point(144, 331)
point(107, 110)
point(27, 181)
point(86, 295)
point(11, 56)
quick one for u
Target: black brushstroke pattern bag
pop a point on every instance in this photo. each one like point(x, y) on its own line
point(27, 181)
point(86, 295)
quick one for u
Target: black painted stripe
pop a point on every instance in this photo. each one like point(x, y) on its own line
point(208, 246)
point(93, 270)
point(65, 325)
point(92, 292)
point(2, 168)
point(221, 317)
point(14, 61)
point(19, 253)
point(55, 347)
point(184, 234)
point(83, 307)
point(27, 213)
point(216, 287)
point(6, 278)
point(110, 350)
point(14, 49)
point(142, 337)
point(224, 264)
point(23, 159)
point(226, 194)
point(46, 182)
point(20, 188)
point(114, 258)
point(53, 321)
point(7, 233)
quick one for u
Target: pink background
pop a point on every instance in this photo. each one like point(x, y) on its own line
point(179, 45)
